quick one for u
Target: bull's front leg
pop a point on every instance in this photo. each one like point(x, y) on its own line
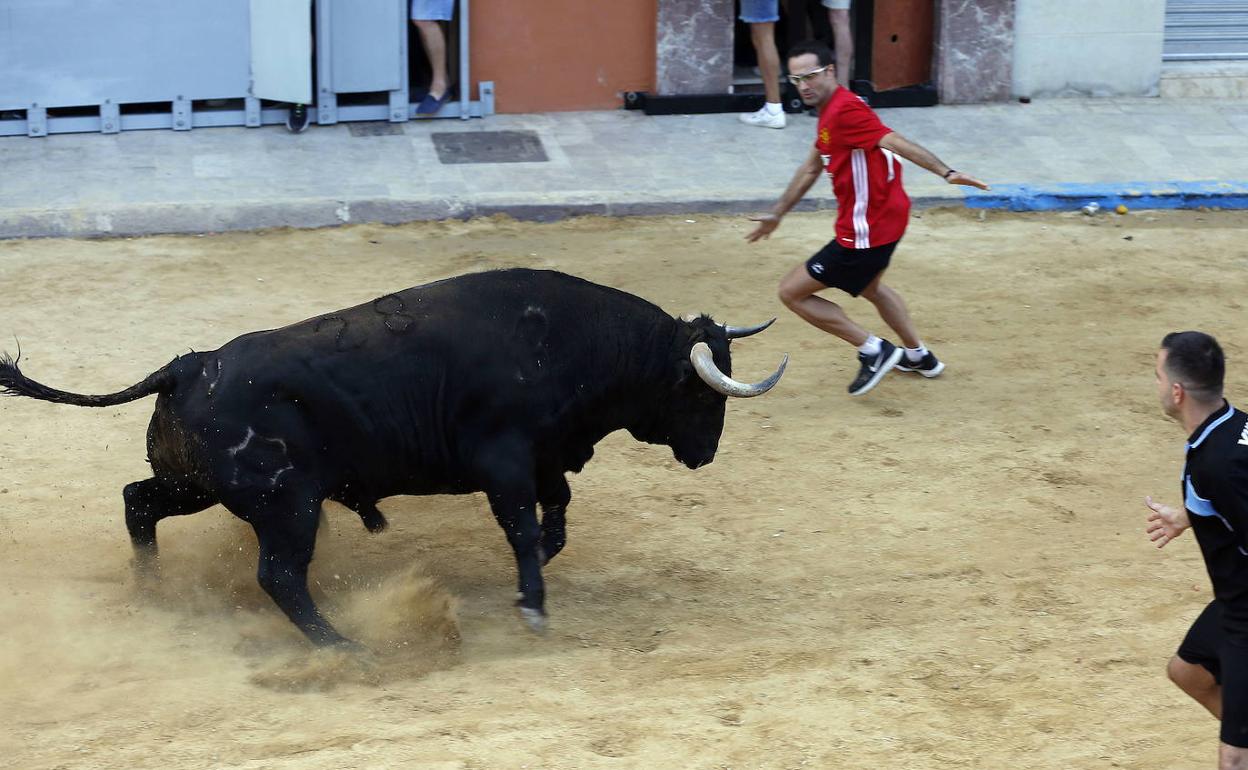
point(513, 499)
point(554, 495)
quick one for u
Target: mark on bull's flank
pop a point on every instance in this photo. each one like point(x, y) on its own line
point(341, 322)
point(390, 308)
point(489, 147)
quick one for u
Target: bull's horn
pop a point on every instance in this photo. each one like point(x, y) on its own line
point(737, 332)
point(704, 364)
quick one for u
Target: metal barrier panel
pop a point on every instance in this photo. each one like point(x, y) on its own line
point(368, 37)
point(84, 65)
point(76, 53)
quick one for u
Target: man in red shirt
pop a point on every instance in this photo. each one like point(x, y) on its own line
point(860, 155)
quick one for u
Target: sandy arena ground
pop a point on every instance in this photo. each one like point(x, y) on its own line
point(942, 574)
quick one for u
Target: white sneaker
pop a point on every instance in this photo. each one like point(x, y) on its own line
point(763, 118)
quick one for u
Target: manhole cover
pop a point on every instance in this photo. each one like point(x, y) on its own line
point(489, 147)
point(375, 128)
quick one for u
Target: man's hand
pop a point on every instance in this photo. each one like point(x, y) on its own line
point(1165, 523)
point(766, 226)
point(958, 177)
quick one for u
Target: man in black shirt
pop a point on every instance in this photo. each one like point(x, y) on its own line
point(1212, 662)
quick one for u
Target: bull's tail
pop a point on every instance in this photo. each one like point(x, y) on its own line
point(14, 383)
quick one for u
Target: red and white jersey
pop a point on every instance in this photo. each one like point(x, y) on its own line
point(873, 208)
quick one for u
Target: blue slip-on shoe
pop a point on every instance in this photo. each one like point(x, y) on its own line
point(431, 104)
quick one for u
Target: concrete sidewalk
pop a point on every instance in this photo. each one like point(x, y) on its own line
point(1058, 153)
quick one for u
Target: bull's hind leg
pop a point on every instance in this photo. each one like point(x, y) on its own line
point(149, 501)
point(286, 532)
point(374, 520)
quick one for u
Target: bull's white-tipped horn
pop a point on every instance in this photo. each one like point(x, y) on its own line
point(704, 364)
point(737, 332)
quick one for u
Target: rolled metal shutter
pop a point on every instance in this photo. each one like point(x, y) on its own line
point(1200, 30)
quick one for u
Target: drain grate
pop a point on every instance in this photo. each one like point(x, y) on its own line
point(489, 147)
point(375, 128)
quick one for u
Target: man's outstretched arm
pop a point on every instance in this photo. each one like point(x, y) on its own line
point(921, 156)
point(801, 182)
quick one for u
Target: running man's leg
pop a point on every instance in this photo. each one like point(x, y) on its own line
point(1232, 757)
point(1195, 680)
point(797, 292)
point(1233, 659)
point(892, 308)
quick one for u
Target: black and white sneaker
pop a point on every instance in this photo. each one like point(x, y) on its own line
point(297, 119)
point(873, 368)
point(928, 365)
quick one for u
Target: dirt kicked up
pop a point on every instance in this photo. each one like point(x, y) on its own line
point(941, 574)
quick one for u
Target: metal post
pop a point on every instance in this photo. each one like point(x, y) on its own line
point(465, 80)
point(400, 99)
point(110, 117)
point(182, 120)
point(325, 98)
point(251, 111)
point(36, 121)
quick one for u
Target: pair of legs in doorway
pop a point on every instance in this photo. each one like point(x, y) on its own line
point(427, 16)
point(762, 16)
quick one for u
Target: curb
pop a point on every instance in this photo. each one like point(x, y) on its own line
point(1136, 195)
point(214, 217)
point(234, 216)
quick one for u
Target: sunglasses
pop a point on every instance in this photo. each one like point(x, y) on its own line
point(797, 80)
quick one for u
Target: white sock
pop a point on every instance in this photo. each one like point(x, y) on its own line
point(871, 346)
point(773, 108)
point(916, 354)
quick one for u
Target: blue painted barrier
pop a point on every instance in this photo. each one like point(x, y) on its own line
point(1134, 195)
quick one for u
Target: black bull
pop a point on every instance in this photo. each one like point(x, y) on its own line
point(498, 382)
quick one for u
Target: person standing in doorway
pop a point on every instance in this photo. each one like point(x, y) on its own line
point(1211, 664)
point(842, 38)
point(428, 16)
point(762, 16)
point(860, 155)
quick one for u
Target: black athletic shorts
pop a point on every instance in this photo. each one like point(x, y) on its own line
point(1208, 644)
point(850, 270)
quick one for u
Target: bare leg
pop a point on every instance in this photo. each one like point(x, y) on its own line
point(797, 292)
point(844, 42)
point(763, 35)
point(435, 50)
point(892, 309)
point(1232, 757)
point(1198, 683)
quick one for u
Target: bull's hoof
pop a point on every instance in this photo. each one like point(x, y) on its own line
point(349, 646)
point(146, 570)
point(534, 619)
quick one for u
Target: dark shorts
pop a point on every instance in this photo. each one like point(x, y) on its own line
point(850, 270)
point(1207, 644)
